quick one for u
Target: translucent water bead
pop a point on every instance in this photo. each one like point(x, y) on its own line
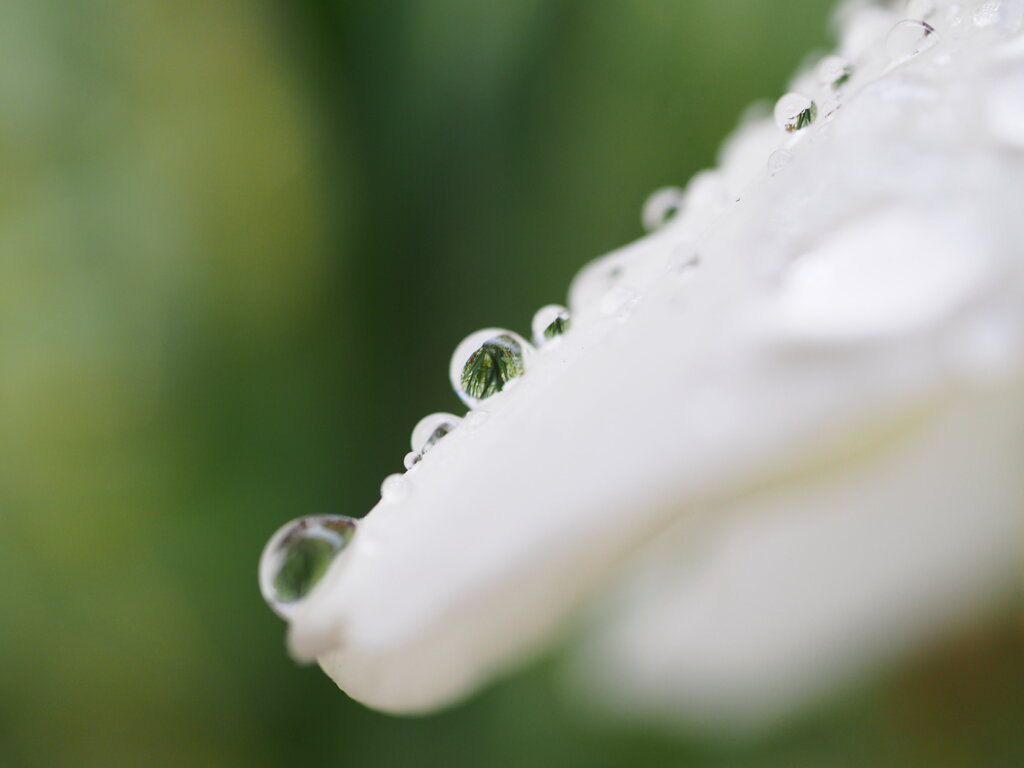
point(909, 38)
point(549, 323)
point(834, 72)
point(430, 429)
point(298, 555)
point(485, 362)
point(661, 206)
point(794, 112)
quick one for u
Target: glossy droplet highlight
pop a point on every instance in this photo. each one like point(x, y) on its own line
point(549, 323)
point(431, 429)
point(395, 488)
point(794, 112)
point(298, 555)
point(485, 362)
point(834, 72)
point(661, 207)
point(909, 38)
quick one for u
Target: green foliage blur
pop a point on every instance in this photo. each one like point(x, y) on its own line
point(238, 242)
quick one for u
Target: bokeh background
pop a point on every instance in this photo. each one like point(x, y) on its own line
point(239, 241)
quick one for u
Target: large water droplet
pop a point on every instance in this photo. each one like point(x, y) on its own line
point(909, 38)
point(298, 555)
point(794, 112)
point(661, 206)
point(485, 362)
point(430, 429)
point(549, 323)
point(834, 72)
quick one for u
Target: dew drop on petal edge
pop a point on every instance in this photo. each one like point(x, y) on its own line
point(485, 362)
point(549, 323)
point(298, 555)
point(395, 488)
point(909, 38)
point(430, 429)
point(661, 206)
point(794, 112)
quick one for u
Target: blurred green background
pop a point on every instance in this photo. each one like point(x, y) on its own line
point(239, 241)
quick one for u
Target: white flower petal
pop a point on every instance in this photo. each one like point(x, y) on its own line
point(872, 283)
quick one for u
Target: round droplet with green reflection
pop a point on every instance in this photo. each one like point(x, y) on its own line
point(431, 429)
point(549, 323)
point(298, 555)
point(485, 362)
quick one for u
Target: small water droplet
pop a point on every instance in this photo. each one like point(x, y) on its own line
point(794, 112)
point(920, 9)
point(549, 323)
point(395, 488)
point(297, 556)
point(909, 38)
point(661, 207)
point(430, 429)
point(412, 458)
point(619, 301)
point(834, 72)
point(778, 160)
point(485, 362)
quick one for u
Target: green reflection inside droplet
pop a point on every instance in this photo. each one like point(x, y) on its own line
point(305, 557)
point(491, 367)
point(557, 327)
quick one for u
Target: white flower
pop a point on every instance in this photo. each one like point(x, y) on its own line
point(782, 438)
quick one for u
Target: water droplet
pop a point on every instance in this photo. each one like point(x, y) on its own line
point(298, 555)
point(834, 72)
point(619, 301)
point(412, 458)
point(1000, 14)
point(920, 9)
point(661, 206)
point(485, 362)
point(395, 488)
point(430, 429)
point(549, 323)
point(778, 160)
point(794, 112)
point(909, 38)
